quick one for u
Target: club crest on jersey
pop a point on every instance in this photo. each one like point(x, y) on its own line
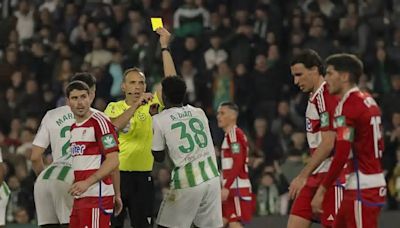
point(77, 149)
point(108, 141)
point(141, 116)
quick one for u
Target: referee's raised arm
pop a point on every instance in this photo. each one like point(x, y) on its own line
point(168, 62)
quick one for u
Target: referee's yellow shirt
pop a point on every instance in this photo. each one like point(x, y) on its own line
point(135, 139)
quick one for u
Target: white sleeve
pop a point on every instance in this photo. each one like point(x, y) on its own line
point(42, 138)
point(1, 155)
point(158, 137)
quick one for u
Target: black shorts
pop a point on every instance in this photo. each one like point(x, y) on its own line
point(137, 193)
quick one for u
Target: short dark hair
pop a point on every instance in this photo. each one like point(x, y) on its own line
point(230, 105)
point(78, 85)
point(174, 89)
point(309, 58)
point(85, 77)
point(347, 63)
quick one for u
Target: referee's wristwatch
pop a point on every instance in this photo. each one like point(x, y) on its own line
point(165, 49)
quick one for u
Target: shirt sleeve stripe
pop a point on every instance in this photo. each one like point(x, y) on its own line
point(102, 122)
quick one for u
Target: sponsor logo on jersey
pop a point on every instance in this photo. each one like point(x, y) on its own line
point(108, 141)
point(325, 119)
point(77, 149)
point(235, 148)
point(340, 121)
point(308, 125)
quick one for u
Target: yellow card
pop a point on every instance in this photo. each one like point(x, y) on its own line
point(156, 22)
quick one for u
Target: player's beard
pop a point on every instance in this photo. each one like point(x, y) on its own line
point(81, 112)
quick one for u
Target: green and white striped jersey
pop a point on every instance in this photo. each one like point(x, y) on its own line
point(60, 169)
point(186, 133)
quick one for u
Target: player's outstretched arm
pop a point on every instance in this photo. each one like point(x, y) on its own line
point(322, 152)
point(37, 160)
point(109, 165)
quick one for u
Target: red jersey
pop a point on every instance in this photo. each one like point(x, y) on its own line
point(234, 156)
point(91, 140)
point(319, 117)
point(359, 142)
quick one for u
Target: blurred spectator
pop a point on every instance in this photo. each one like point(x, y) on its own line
point(191, 50)
point(390, 102)
point(26, 138)
point(8, 66)
point(215, 54)
point(98, 56)
point(21, 216)
point(223, 87)
point(285, 115)
point(265, 142)
point(31, 99)
point(25, 20)
point(381, 70)
point(197, 87)
point(115, 69)
point(243, 83)
point(139, 54)
point(394, 182)
point(293, 164)
point(265, 77)
point(267, 196)
point(190, 19)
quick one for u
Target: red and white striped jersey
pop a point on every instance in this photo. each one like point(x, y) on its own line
point(358, 122)
point(319, 118)
point(91, 140)
point(234, 155)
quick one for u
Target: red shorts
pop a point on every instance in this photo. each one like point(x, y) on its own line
point(235, 209)
point(85, 213)
point(89, 217)
point(330, 206)
point(356, 213)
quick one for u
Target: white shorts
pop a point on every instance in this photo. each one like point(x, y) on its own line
point(53, 202)
point(4, 196)
point(199, 205)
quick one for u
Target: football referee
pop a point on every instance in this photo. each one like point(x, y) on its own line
point(132, 118)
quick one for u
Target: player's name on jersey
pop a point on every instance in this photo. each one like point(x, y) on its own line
point(181, 115)
point(64, 118)
point(196, 156)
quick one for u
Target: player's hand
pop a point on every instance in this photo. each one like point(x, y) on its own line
point(117, 205)
point(79, 188)
point(224, 194)
point(316, 203)
point(296, 185)
point(154, 109)
point(144, 99)
point(165, 37)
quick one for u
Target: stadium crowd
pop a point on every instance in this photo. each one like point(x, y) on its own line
point(225, 50)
